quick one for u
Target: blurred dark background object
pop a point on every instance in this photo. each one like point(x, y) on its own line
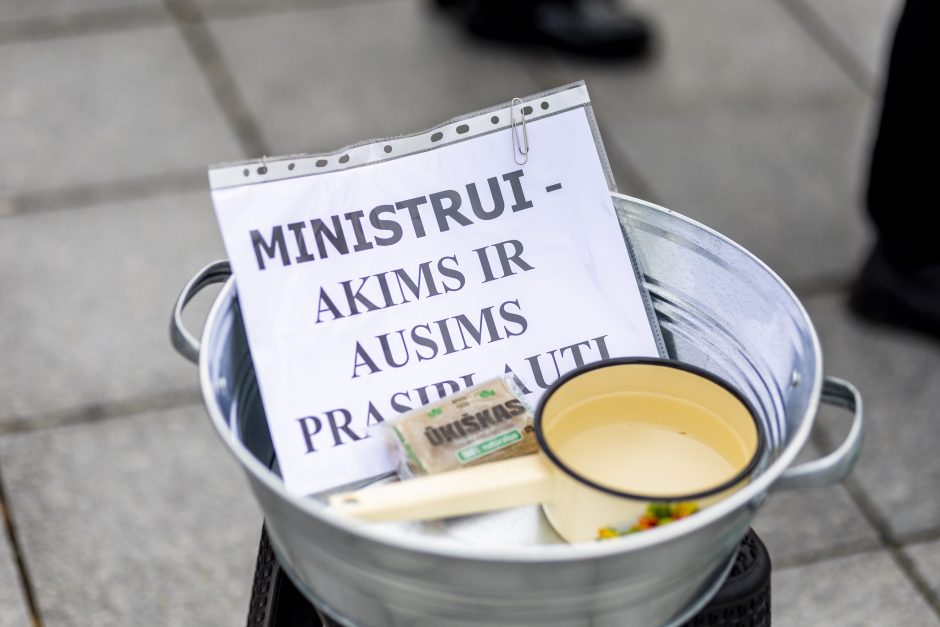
point(594, 28)
point(900, 282)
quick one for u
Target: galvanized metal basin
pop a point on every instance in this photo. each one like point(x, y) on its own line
point(719, 307)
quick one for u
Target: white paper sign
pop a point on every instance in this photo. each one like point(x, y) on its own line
point(371, 291)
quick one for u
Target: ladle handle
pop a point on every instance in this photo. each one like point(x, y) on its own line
point(520, 481)
point(836, 465)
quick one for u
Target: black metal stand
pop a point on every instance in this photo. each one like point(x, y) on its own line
point(743, 600)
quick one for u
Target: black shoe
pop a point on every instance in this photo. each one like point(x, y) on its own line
point(903, 297)
point(595, 28)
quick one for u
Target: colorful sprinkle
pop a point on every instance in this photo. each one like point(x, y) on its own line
point(657, 515)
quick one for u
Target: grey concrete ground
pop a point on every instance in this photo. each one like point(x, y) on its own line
point(120, 506)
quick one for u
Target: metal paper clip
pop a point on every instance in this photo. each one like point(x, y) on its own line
point(519, 146)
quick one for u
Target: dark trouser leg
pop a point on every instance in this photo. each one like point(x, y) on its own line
point(902, 183)
point(900, 283)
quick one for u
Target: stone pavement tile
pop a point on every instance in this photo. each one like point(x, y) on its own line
point(926, 556)
point(99, 108)
point(742, 122)
point(798, 525)
point(898, 375)
point(318, 80)
point(58, 9)
point(716, 54)
point(866, 589)
point(867, 28)
point(783, 183)
point(87, 296)
point(12, 604)
point(144, 520)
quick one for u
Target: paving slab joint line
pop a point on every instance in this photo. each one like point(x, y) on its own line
point(116, 19)
point(877, 520)
point(859, 547)
point(229, 9)
point(191, 23)
point(19, 557)
point(100, 412)
point(89, 195)
point(919, 537)
point(831, 44)
point(87, 22)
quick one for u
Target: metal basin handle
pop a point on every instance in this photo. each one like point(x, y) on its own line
point(183, 341)
point(837, 464)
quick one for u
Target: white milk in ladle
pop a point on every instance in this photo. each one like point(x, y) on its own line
point(658, 449)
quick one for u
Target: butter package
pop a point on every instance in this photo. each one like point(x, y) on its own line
point(485, 423)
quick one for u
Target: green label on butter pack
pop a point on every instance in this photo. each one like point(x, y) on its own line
point(485, 447)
